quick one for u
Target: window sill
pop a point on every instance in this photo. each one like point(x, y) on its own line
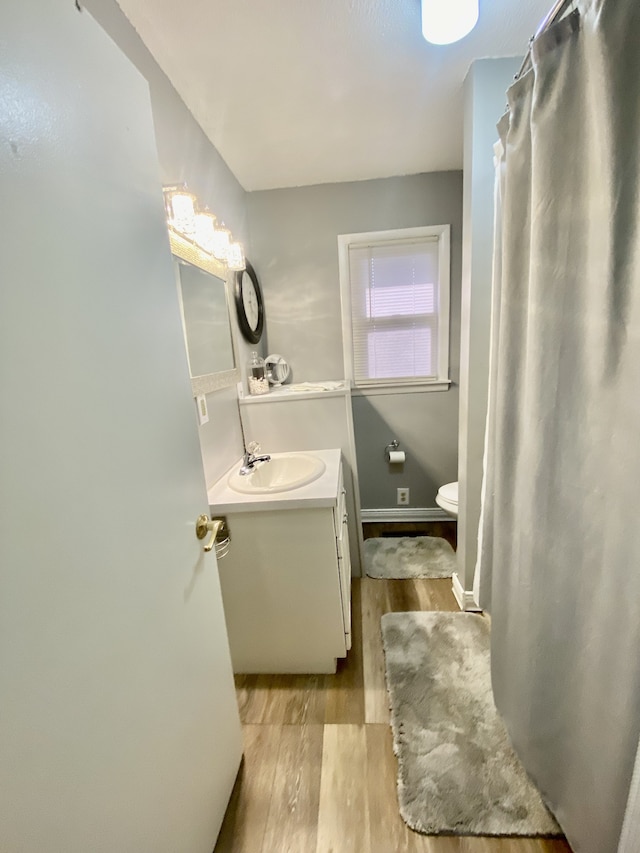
point(407, 388)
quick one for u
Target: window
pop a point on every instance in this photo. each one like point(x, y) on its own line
point(395, 306)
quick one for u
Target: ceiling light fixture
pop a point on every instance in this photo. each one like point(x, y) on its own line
point(446, 21)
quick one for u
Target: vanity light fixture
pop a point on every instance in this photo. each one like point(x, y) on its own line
point(200, 227)
point(447, 21)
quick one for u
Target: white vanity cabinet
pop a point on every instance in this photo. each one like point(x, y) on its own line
point(286, 580)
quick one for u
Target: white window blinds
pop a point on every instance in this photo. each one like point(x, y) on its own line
point(394, 310)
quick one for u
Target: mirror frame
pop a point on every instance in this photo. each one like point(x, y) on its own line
point(186, 251)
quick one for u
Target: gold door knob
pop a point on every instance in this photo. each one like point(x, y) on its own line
point(206, 525)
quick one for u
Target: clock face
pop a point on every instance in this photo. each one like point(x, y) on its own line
point(250, 303)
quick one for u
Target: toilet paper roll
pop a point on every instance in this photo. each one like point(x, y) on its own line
point(396, 457)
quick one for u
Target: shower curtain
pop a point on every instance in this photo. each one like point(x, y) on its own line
point(559, 552)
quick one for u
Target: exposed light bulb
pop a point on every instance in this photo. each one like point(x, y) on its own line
point(235, 257)
point(181, 210)
point(221, 240)
point(205, 231)
point(446, 21)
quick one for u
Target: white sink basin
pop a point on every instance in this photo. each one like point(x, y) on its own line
point(285, 471)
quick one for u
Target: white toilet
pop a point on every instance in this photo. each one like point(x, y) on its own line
point(447, 498)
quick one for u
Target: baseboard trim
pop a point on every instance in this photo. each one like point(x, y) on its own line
point(463, 596)
point(392, 514)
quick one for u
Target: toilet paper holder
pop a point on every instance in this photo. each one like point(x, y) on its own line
point(394, 445)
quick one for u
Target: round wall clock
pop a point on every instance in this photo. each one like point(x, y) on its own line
point(249, 304)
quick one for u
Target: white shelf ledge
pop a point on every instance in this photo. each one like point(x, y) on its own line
point(285, 394)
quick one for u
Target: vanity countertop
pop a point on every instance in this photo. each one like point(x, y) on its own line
point(321, 492)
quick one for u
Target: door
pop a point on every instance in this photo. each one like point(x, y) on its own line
point(119, 728)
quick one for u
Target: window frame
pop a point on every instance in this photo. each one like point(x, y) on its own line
point(442, 234)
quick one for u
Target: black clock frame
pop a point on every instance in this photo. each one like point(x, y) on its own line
point(249, 334)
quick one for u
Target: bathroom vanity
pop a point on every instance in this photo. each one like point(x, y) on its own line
point(286, 580)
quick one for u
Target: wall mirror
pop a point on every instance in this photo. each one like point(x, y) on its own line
point(206, 319)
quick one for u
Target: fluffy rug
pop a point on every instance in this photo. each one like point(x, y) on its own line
point(409, 557)
point(457, 772)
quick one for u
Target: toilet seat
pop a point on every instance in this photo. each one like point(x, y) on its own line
point(447, 498)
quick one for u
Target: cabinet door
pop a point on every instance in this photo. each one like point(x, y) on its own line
point(344, 568)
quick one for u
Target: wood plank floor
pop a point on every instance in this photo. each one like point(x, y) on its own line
point(319, 773)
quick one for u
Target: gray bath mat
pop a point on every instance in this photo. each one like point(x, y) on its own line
point(409, 557)
point(457, 772)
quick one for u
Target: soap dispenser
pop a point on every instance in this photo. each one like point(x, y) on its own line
point(257, 375)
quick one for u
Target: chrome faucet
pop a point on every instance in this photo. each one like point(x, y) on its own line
point(250, 459)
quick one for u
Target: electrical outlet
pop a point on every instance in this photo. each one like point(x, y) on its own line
point(402, 497)
point(203, 414)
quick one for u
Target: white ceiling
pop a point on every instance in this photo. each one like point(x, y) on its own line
point(297, 92)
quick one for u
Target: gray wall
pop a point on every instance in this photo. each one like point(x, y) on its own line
point(485, 101)
point(186, 155)
point(426, 425)
point(294, 244)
